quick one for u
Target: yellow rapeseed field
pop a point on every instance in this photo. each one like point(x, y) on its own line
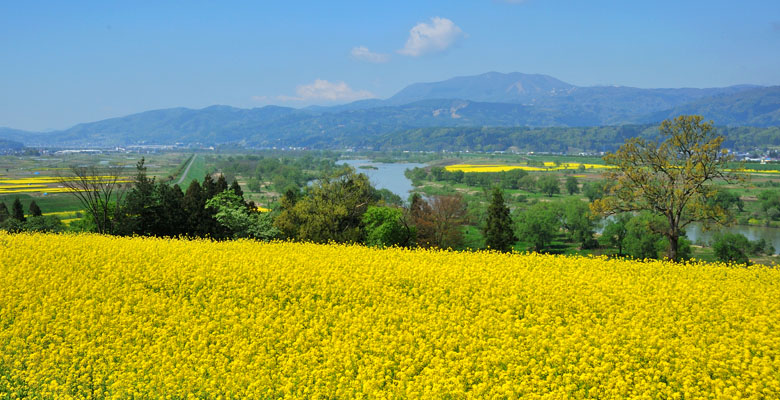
point(40, 184)
point(548, 166)
point(551, 166)
point(87, 316)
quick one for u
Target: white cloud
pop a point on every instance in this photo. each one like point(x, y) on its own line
point(260, 99)
point(364, 54)
point(429, 38)
point(322, 89)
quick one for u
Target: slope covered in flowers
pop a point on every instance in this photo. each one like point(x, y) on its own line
point(105, 317)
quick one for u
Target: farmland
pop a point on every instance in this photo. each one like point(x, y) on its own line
point(90, 316)
point(37, 178)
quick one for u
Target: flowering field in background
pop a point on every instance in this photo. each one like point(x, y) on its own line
point(40, 184)
point(548, 166)
point(88, 316)
point(66, 217)
point(551, 166)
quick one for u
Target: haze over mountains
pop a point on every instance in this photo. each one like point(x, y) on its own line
point(488, 100)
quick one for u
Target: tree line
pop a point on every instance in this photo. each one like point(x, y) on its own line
point(15, 219)
point(656, 191)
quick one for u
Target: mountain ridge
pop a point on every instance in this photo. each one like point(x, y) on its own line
point(492, 99)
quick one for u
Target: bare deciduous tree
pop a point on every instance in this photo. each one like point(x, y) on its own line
point(96, 187)
point(449, 215)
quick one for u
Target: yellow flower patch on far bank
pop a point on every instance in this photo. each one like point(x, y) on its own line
point(548, 166)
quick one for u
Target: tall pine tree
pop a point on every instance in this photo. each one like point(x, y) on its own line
point(4, 214)
point(498, 227)
point(17, 211)
point(236, 188)
point(209, 187)
point(221, 184)
point(194, 204)
point(35, 211)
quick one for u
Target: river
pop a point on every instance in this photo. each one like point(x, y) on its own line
point(696, 233)
point(388, 176)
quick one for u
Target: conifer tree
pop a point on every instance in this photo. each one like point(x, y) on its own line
point(17, 211)
point(35, 211)
point(498, 227)
point(194, 204)
point(4, 214)
point(221, 184)
point(209, 188)
point(236, 188)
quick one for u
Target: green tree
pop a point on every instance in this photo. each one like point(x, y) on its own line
point(727, 200)
point(385, 227)
point(209, 187)
point(572, 185)
point(498, 229)
point(331, 210)
point(35, 211)
point(388, 197)
point(233, 214)
point(538, 225)
point(672, 178)
point(17, 211)
point(579, 223)
point(236, 188)
point(4, 214)
point(593, 190)
point(731, 247)
point(153, 208)
point(761, 246)
point(40, 223)
point(770, 203)
point(549, 184)
point(642, 240)
point(615, 232)
point(527, 183)
point(200, 221)
point(171, 219)
point(221, 185)
point(138, 209)
point(12, 225)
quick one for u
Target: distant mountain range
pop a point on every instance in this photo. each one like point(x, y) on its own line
point(493, 99)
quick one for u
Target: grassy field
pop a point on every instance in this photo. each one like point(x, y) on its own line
point(20, 168)
point(193, 168)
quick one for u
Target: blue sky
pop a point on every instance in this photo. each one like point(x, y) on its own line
point(62, 63)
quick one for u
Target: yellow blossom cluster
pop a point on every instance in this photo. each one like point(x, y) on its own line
point(44, 189)
point(66, 217)
point(40, 184)
point(754, 171)
point(548, 166)
point(88, 316)
point(53, 179)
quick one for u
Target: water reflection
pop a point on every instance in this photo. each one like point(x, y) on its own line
point(696, 233)
point(385, 175)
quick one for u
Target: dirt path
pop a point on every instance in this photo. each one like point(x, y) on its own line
point(186, 170)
